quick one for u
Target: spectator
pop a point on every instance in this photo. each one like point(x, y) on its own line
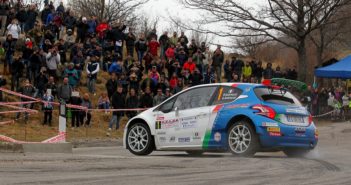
point(164, 43)
point(196, 77)
point(28, 90)
point(75, 99)
point(192, 49)
point(9, 47)
point(2, 84)
point(16, 72)
point(111, 85)
point(235, 77)
point(174, 39)
point(227, 71)
point(51, 86)
point(170, 52)
point(130, 42)
point(278, 73)
point(183, 39)
point(70, 22)
point(52, 61)
point(210, 77)
point(85, 114)
point(198, 58)
point(268, 72)
point(35, 64)
point(132, 103)
point(179, 86)
point(217, 61)
point(14, 29)
point(4, 9)
point(116, 67)
point(151, 35)
point(237, 66)
point(48, 107)
point(141, 47)
point(71, 73)
point(82, 30)
point(159, 97)
point(93, 68)
point(189, 65)
point(134, 82)
point(118, 102)
point(247, 71)
point(104, 102)
point(64, 92)
point(146, 100)
point(40, 81)
point(45, 13)
point(173, 81)
point(153, 47)
point(259, 72)
point(31, 18)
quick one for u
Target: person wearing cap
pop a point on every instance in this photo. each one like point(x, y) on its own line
point(82, 30)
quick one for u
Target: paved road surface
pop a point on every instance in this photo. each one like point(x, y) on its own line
point(330, 163)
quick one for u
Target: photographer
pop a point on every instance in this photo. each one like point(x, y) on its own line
point(52, 61)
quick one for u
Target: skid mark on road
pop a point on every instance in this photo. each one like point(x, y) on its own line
point(327, 165)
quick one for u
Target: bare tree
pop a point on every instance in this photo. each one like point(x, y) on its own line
point(110, 10)
point(295, 19)
point(201, 37)
point(250, 45)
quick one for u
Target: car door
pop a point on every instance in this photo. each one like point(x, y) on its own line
point(166, 122)
point(193, 113)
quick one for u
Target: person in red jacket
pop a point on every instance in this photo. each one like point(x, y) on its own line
point(170, 52)
point(101, 28)
point(189, 65)
point(173, 81)
point(153, 46)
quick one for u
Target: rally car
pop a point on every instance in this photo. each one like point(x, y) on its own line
point(239, 117)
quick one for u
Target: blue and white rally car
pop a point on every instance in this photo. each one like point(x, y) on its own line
point(242, 118)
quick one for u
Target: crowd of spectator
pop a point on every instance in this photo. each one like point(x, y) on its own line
point(60, 50)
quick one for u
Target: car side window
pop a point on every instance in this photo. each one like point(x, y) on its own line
point(226, 94)
point(167, 106)
point(194, 98)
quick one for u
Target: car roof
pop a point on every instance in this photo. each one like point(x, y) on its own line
point(228, 84)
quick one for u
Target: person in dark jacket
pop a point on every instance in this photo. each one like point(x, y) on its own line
point(21, 17)
point(268, 72)
point(217, 61)
point(111, 85)
point(70, 22)
point(31, 18)
point(93, 68)
point(45, 13)
point(132, 103)
point(258, 72)
point(118, 102)
point(85, 114)
point(52, 86)
point(237, 66)
point(130, 42)
point(164, 43)
point(75, 100)
point(28, 90)
point(118, 38)
point(40, 81)
point(4, 9)
point(141, 47)
point(82, 30)
point(2, 83)
point(146, 100)
point(16, 72)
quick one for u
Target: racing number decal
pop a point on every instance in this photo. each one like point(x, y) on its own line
point(220, 94)
point(158, 125)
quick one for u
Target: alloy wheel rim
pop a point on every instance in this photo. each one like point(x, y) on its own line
point(138, 138)
point(239, 138)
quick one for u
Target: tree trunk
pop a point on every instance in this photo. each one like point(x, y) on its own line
point(102, 10)
point(302, 68)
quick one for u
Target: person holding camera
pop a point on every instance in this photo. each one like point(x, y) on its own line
point(52, 61)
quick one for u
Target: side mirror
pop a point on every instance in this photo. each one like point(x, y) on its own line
point(176, 111)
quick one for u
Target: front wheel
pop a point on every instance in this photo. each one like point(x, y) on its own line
point(296, 152)
point(242, 139)
point(139, 140)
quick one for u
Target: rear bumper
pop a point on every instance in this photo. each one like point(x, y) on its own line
point(288, 141)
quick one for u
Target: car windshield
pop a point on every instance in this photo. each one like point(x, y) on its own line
point(276, 96)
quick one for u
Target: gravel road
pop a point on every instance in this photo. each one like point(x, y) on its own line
point(329, 163)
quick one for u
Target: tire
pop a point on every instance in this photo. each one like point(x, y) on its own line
point(139, 139)
point(296, 152)
point(194, 152)
point(242, 139)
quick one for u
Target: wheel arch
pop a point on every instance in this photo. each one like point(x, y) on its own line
point(241, 117)
point(142, 121)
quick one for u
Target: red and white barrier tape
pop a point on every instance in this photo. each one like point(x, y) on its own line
point(18, 111)
point(56, 139)
point(18, 103)
point(7, 122)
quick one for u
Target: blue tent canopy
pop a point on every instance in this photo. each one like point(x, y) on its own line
point(341, 69)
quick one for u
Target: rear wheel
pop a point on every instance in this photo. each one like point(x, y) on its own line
point(242, 139)
point(139, 139)
point(296, 152)
point(194, 153)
